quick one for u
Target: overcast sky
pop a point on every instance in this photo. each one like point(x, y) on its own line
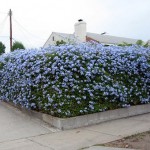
point(34, 20)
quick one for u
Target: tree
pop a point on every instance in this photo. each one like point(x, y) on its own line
point(138, 42)
point(2, 48)
point(141, 43)
point(17, 45)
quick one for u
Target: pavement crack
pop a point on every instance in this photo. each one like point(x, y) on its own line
point(103, 133)
point(24, 138)
point(41, 144)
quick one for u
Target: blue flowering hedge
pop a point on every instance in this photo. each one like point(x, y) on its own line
point(73, 80)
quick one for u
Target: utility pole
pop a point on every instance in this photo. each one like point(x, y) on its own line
point(10, 16)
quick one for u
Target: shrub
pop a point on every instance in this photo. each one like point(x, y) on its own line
point(2, 48)
point(71, 80)
point(17, 45)
point(60, 42)
point(138, 43)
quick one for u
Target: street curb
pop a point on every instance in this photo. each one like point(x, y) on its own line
point(86, 120)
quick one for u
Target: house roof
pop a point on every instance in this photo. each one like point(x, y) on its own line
point(104, 39)
point(66, 36)
point(107, 39)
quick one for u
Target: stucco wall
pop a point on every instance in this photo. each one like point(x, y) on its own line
point(52, 40)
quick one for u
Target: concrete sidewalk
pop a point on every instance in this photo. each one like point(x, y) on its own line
point(104, 148)
point(21, 132)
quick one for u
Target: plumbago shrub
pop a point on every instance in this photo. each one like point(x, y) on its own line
point(71, 80)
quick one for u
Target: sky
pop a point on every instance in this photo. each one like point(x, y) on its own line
point(34, 20)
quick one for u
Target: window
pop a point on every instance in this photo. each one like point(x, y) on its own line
point(53, 38)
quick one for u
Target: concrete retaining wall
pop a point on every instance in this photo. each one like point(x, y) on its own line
point(91, 119)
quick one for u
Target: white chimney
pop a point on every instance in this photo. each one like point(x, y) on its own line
point(80, 30)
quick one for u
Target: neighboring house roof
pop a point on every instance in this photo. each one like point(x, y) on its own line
point(107, 39)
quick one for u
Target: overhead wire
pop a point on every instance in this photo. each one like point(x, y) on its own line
point(3, 23)
point(4, 38)
point(29, 43)
point(22, 29)
point(29, 34)
point(4, 20)
point(33, 35)
point(3, 12)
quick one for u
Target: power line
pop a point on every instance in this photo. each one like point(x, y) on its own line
point(2, 24)
point(25, 36)
point(4, 20)
point(6, 40)
point(35, 36)
point(28, 34)
point(5, 36)
point(23, 30)
point(3, 12)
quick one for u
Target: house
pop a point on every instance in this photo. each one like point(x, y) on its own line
point(81, 35)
